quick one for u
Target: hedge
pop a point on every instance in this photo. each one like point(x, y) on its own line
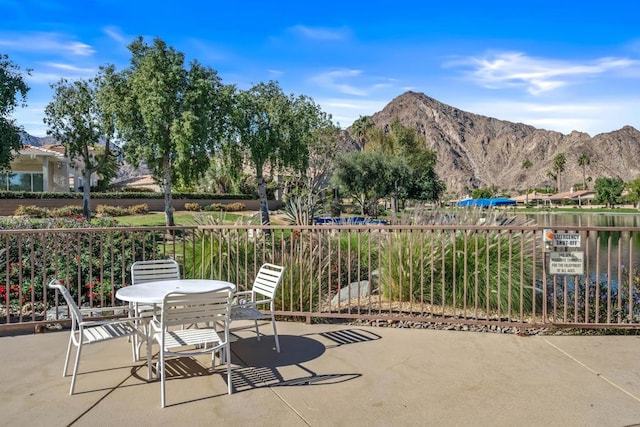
point(120, 195)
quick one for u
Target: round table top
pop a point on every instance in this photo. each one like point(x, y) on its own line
point(154, 292)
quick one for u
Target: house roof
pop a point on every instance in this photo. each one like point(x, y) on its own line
point(575, 195)
point(32, 150)
point(530, 197)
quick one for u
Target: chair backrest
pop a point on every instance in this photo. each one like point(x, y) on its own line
point(268, 279)
point(74, 311)
point(154, 270)
point(180, 308)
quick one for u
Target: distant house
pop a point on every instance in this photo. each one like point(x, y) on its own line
point(43, 169)
point(578, 196)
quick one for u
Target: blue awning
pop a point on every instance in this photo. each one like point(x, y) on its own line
point(485, 203)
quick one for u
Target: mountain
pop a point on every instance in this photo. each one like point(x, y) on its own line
point(35, 140)
point(476, 151)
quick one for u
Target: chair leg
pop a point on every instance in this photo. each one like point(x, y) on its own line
point(66, 358)
point(275, 333)
point(227, 353)
point(257, 330)
point(75, 367)
point(149, 359)
point(163, 394)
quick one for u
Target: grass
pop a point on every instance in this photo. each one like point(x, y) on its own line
point(184, 218)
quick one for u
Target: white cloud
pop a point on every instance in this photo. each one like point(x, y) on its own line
point(320, 33)
point(49, 72)
point(594, 116)
point(537, 75)
point(115, 34)
point(45, 42)
point(275, 73)
point(333, 80)
point(346, 110)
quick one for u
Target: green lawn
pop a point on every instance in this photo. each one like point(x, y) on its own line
point(154, 219)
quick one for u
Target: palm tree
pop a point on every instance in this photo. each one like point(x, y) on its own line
point(526, 165)
point(361, 127)
point(559, 162)
point(584, 161)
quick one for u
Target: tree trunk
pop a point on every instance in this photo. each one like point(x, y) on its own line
point(395, 198)
point(86, 194)
point(262, 194)
point(166, 180)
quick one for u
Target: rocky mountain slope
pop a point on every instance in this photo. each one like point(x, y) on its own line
point(475, 151)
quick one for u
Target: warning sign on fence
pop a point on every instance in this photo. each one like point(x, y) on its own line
point(566, 263)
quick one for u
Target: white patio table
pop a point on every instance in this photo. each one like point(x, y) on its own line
point(152, 293)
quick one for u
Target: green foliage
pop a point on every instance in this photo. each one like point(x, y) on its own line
point(108, 210)
point(119, 195)
point(193, 207)
point(79, 118)
point(301, 210)
point(13, 89)
point(634, 191)
point(465, 270)
point(360, 128)
point(92, 264)
point(367, 176)
point(33, 211)
point(228, 207)
point(273, 129)
point(170, 117)
point(608, 190)
point(559, 162)
point(483, 193)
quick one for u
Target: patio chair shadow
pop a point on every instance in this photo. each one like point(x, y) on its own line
point(295, 350)
point(348, 336)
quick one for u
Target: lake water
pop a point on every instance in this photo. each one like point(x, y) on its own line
point(607, 242)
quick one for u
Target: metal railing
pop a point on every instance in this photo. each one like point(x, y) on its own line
point(497, 275)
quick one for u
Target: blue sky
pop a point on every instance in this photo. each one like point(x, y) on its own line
point(558, 65)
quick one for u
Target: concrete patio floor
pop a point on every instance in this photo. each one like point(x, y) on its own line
point(335, 375)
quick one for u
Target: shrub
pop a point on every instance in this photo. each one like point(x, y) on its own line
point(69, 210)
point(141, 209)
point(235, 207)
point(193, 207)
point(107, 210)
point(92, 264)
point(31, 211)
point(230, 207)
point(432, 268)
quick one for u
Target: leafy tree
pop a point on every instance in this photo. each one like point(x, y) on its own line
point(483, 193)
point(13, 89)
point(272, 129)
point(170, 117)
point(367, 176)
point(361, 127)
point(609, 190)
point(78, 118)
point(584, 161)
point(634, 192)
point(324, 147)
point(559, 162)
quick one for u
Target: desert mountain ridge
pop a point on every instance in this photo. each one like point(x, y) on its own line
point(476, 151)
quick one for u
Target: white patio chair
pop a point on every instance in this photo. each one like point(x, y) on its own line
point(180, 309)
point(154, 270)
point(264, 288)
point(151, 271)
point(85, 332)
